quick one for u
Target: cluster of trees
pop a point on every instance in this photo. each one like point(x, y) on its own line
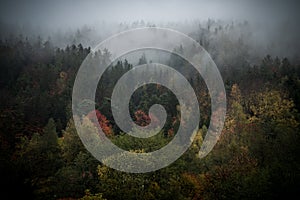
point(42, 156)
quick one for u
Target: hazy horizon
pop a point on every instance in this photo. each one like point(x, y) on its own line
point(74, 13)
point(273, 24)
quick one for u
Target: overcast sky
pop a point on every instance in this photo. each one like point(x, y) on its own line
point(62, 13)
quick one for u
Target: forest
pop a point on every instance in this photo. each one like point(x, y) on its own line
point(42, 157)
point(255, 46)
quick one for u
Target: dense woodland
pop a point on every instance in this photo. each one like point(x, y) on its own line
point(42, 157)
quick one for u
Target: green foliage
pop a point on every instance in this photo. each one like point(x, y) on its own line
point(274, 112)
point(150, 144)
point(256, 157)
point(89, 196)
point(41, 158)
point(71, 143)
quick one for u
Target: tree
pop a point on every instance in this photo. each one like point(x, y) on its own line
point(71, 143)
point(42, 159)
point(143, 60)
point(89, 196)
point(273, 111)
point(103, 122)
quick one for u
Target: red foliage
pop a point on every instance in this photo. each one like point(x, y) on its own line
point(171, 132)
point(142, 119)
point(103, 121)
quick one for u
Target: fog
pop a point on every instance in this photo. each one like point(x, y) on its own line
point(70, 13)
point(272, 24)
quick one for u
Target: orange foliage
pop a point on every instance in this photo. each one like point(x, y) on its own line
point(103, 121)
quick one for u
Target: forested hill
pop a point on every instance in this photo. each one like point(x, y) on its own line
point(42, 157)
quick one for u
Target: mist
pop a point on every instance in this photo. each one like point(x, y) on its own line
point(273, 26)
point(74, 13)
point(69, 101)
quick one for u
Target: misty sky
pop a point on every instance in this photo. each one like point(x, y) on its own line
point(70, 13)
